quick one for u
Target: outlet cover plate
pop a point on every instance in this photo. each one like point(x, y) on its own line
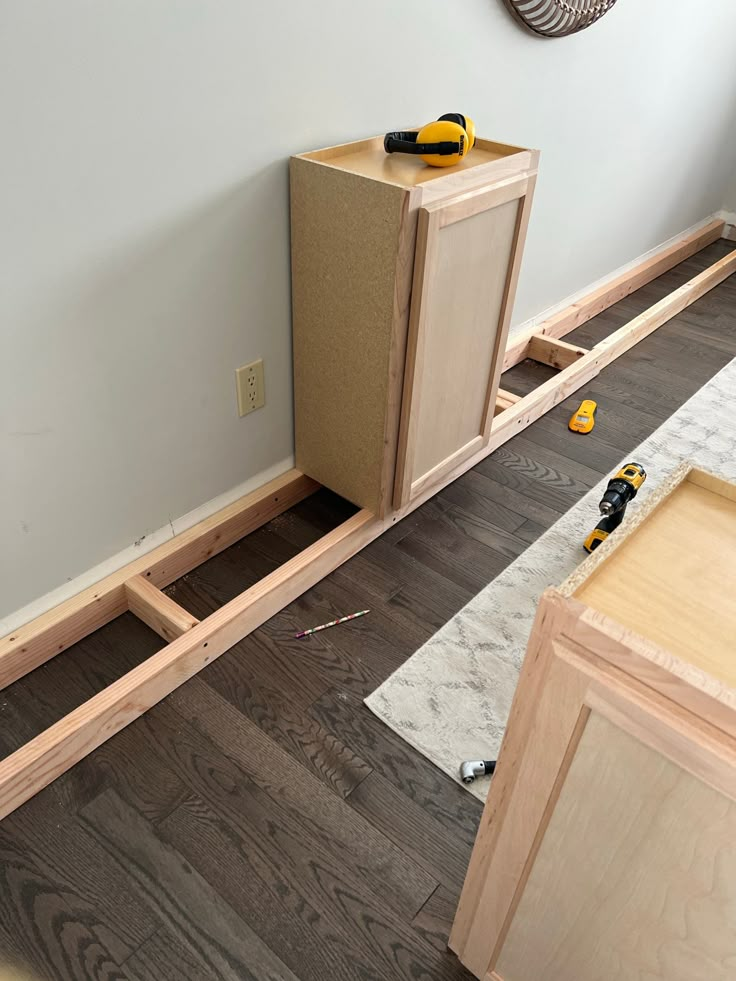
point(250, 388)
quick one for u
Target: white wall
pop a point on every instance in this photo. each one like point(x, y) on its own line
point(730, 200)
point(145, 220)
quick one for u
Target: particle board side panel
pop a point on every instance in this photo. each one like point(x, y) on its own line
point(345, 239)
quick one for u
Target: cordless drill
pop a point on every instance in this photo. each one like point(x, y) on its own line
point(621, 490)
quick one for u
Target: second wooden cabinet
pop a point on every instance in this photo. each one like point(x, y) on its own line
point(403, 285)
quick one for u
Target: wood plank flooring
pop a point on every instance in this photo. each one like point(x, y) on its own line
point(260, 823)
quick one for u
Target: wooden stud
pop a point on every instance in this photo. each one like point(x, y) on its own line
point(605, 296)
point(34, 643)
point(157, 610)
point(35, 765)
point(570, 379)
point(554, 352)
point(504, 400)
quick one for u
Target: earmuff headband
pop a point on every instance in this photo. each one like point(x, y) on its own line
point(406, 142)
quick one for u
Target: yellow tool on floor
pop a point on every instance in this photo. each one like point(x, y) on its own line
point(622, 488)
point(583, 420)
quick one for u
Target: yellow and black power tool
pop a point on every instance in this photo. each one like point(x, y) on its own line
point(621, 490)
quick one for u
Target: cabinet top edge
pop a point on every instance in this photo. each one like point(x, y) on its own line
point(665, 578)
point(368, 159)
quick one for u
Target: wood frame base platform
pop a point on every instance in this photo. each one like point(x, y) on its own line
point(192, 644)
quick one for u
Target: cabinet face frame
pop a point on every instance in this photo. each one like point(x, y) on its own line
point(692, 747)
point(562, 683)
point(432, 219)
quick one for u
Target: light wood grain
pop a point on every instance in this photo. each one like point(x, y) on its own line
point(482, 199)
point(636, 876)
point(31, 645)
point(35, 765)
point(683, 596)
point(424, 264)
point(507, 304)
point(439, 474)
point(521, 786)
point(157, 610)
point(570, 379)
point(554, 352)
point(680, 736)
point(678, 680)
point(465, 294)
point(504, 400)
point(517, 922)
point(398, 349)
point(367, 158)
point(605, 296)
point(460, 279)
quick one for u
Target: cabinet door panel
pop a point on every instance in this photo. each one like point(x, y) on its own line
point(465, 273)
point(635, 876)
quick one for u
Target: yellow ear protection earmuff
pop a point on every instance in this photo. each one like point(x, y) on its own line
point(440, 144)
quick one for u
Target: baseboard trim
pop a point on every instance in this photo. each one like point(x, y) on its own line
point(528, 326)
point(12, 621)
point(729, 232)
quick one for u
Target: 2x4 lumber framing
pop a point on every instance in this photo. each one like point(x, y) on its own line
point(605, 296)
point(55, 750)
point(504, 400)
point(157, 610)
point(34, 643)
point(556, 389)
point(43, 759)
point(554, 352)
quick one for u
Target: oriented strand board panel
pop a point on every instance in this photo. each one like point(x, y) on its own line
point(463, 317)
point(345, 235)
point(369, 159)
point(635, 878)
point(673, 579)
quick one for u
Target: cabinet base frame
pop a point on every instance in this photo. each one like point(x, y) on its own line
point(137, 586)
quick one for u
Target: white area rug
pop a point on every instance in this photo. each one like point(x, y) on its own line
point(452, 698)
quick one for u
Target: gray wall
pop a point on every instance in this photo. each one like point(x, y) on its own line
point(145, 215)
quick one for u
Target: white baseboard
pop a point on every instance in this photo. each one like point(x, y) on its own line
point(730, 219)
point(12, 621)
point(574, 297)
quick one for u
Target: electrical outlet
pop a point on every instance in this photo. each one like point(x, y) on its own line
point(249, 386)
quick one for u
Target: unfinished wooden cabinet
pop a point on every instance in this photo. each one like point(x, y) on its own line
point(403, 284)
point(607, 848)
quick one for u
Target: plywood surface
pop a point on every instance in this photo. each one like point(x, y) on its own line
point(368, 158)
point(345, 244)
point(673, 579)
point(466, 290)
point(635, 877)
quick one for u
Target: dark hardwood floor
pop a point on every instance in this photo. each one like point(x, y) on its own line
point(260, 823)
